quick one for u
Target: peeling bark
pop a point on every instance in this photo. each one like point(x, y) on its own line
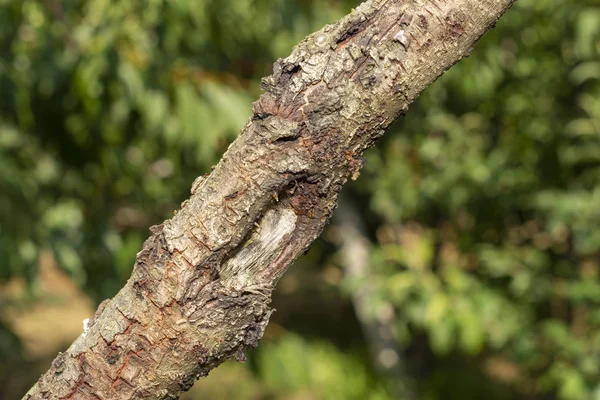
point(200, 290)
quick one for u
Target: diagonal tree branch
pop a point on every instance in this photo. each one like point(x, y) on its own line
point(200, 290)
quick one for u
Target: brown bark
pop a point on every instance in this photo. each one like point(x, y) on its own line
point(200, 290)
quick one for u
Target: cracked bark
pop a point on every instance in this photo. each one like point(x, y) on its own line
point(200, 290)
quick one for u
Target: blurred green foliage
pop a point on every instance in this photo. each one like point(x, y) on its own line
point(490, 199)
point(318, 367)
point(482, 203)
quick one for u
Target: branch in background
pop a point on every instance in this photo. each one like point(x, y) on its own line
point(377, 324)
point(200, 290)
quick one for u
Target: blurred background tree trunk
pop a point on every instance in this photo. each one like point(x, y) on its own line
point(375, 314)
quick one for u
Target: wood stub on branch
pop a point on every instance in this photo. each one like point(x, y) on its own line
point(200, 290)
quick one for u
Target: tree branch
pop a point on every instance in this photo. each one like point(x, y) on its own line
point(200, 290)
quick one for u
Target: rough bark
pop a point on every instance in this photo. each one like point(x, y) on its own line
point(200, 290)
